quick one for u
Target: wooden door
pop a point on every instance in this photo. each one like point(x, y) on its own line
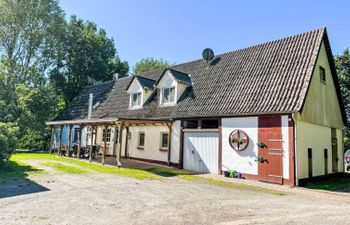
point(271, 153)
point(334, 155)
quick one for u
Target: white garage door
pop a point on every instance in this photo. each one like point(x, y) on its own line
point(201, 152)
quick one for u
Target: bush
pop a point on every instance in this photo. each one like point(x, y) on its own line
point(8, 139)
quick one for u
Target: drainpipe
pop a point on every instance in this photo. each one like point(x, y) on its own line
point(295, 151)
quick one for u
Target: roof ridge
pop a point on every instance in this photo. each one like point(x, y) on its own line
point(144, 77)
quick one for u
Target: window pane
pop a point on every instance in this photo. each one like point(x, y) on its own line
point(138, 98)
point(322, 74)
point(165, 139)
point(166, 94)
point(141, 139)
point(210, 124)
point(191, 124)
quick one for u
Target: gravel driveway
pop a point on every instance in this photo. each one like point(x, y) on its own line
point(94, 198)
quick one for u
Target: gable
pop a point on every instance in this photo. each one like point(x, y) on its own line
point(134, 87)
point(321, 105)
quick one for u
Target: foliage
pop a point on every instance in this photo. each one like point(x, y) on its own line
point(342, 64)
point(87, 56)
point(8, 134)
point(148, 64)
point(44, 62)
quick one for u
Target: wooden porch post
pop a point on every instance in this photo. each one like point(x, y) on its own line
point(79, 140)
point(169, 125)
point(52, 138)
point(60, 142)
point(69, 140)
point(91, 143)
point(119, 145)
point(104, 143)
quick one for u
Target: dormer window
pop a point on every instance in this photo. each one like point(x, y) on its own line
point(168, 95)
point(135, 99)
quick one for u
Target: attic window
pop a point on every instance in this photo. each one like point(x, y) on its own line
point(135, 99)
point(168, 95)
point(322, 74)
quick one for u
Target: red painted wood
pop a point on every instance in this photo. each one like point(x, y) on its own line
point(270, 133)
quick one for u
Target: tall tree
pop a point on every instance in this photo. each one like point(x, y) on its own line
point(85, 56)
point(342, 64)
point(148, 64)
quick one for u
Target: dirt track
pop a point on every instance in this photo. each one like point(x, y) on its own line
point(55, 198)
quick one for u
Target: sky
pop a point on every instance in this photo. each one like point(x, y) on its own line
point(179, 30)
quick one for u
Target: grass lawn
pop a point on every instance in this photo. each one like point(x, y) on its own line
point(17, 169)
point(333, 183)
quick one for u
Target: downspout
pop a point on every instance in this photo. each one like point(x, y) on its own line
point(295, 151)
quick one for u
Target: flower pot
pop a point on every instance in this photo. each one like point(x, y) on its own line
point(227, 173)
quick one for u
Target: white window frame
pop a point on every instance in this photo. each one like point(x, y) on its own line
point(161, 141)
point(138, 102)
point(170, 101)
point(106, 134)
point(138, 140)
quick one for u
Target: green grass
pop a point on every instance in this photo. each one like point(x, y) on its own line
point(13, 171)
point(134, 173)
point(191, 177)
point(332, 183)
point(64, 168)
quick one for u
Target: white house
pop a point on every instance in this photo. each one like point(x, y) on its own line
point(272, 112)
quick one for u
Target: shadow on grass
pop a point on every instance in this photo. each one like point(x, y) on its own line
point(165, 172)
point(339, 182)
point(14, 181)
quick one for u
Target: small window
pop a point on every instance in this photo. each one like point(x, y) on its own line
point(164, 141)
point(210, 124)
point(141, 141)
point(106, 135)
point(136, 99)
point(168, 95)
point(322, 74)
point(191, 124)
point(309, 156)
point(325, 161)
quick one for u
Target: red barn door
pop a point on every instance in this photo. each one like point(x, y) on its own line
point(270, 149)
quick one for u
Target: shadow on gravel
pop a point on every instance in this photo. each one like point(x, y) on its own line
point(14, 181)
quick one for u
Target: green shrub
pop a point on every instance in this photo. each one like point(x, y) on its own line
point(8, 139)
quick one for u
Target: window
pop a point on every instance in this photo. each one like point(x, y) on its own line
point(106, 135)
point(168, 95)
point(210, 124)
point(325, 161)
point(136, 99)
point(309, 156)
point(164, 141)
point(191, 124)
point(322, 74)
point(141, 140)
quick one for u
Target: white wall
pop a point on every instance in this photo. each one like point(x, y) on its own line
point(285, 147)
point(241, 161)
point(175, 142)
point(152, 143)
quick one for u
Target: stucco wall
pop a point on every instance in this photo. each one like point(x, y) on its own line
point(152, 143)
point(318, 138)
point(241, 161)
point(175, 142)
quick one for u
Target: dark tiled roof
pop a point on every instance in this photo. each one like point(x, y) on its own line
point(144, 82)
point(180, 77)
point(78, 109)
point(272, 77)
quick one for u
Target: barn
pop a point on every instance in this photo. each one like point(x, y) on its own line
point(272, 112)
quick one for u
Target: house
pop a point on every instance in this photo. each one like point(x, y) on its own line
point(272, 112)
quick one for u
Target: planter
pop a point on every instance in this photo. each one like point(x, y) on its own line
point(227, 173)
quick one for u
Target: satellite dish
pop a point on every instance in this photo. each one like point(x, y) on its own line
point(208, 54)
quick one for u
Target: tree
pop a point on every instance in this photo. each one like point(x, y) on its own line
point(148, 64)
point(86, 55)
point(342, 64)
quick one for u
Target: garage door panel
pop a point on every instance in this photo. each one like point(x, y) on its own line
point(201, 152)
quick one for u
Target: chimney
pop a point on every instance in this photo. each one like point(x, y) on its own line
point(91, 98)
point(115, 76)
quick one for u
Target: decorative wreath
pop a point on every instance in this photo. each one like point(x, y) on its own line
point(238, 140)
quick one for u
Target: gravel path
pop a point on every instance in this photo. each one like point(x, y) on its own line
point(95, 198)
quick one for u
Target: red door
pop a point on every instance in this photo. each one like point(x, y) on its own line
point(270, 149)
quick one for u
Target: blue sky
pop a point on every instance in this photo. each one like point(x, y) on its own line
point(178, 30)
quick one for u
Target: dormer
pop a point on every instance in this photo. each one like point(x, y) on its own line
point(171, 85)
point(139, 89)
